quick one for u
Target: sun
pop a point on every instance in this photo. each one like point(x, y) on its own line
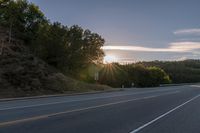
point(109, 59)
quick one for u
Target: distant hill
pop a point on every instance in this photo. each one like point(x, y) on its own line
point(23, 74)
point(187, 71)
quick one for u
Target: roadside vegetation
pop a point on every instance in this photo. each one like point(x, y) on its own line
point(132, 75)
point(39, 56)
point(147, 74)
point(187, 71)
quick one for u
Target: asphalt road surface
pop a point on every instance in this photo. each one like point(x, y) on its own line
point(173, 109)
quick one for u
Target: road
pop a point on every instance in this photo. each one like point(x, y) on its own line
point(173, 109)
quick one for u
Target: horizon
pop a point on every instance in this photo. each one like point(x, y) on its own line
point(99, 66)
point(135, 30)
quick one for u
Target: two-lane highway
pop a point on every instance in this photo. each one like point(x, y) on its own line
point(164, 109)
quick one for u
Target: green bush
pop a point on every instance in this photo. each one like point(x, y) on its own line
point(117, 75)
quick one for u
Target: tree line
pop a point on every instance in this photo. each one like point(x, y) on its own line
point(132, 75)
point(72, 50)
point(68, 49)
point(187, 71)
point(152, 73)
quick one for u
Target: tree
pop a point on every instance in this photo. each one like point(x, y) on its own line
point(158, 76)
point(114, 75)
point(68, 49)
point(50, 44)
point(21, 17)
point(149, 76)
point(8, 14)
point(117, 75)
point(141, 76)
point(186, 71)
point(83, 47)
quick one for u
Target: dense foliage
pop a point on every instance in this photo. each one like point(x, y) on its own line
point(117, 75)
point(154, 72)
point(77, 52)
point(22, 18)
point(69, 49)
point(187, 71)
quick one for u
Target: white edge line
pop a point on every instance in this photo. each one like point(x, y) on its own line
point(60, 102)
point(165, 114)
point(195, 86)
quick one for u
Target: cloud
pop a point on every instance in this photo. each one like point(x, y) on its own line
point(131, 48)
point(195, 31)
point(173, 47)
point(184, 46)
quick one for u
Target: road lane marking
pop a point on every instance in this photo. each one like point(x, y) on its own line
point(60, 102)
point(77, 110)
point(195, 86)
point(163, 115)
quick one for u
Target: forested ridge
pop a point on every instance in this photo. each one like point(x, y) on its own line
point(152, 73)
point(187, 71)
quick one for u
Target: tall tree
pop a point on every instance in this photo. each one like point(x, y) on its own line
point(9, 15)
point(50, 44)
point(21, 17)
point(84, 47)
point(69, 49)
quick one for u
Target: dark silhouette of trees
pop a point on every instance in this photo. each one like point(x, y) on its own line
point(74, 50)
point(187, 71)
point(21, 18)
point(68, 49)
point(117, 75)
point(83, 48)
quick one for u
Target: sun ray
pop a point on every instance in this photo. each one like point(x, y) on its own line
point(109, 59)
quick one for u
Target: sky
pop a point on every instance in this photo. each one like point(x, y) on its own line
point(135, 30)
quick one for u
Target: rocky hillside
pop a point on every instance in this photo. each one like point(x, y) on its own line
point(23, 74)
